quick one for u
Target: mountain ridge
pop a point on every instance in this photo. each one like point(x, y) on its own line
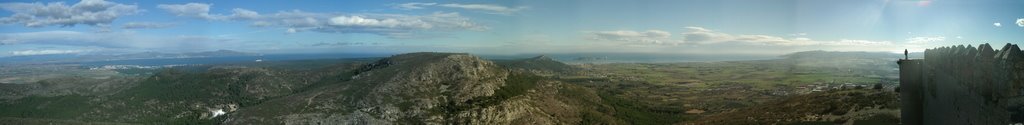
point(431, 88)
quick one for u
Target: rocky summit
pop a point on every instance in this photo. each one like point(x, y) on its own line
point(431, 88)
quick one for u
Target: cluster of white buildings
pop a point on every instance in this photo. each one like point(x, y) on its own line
point(821, 87)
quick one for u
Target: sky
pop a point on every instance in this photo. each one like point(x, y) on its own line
point(510, 27)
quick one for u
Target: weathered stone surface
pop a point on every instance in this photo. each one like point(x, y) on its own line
point(985, 50)
point(965, 85)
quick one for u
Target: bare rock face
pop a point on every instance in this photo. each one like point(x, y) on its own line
point(420, 85)
point(415, 88)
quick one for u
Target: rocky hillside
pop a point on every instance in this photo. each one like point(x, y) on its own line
point(431, 88)
point(171, 96)
point(414, 88)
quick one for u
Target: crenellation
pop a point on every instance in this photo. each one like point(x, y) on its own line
point(1001, 51)
point(1013, 54)
point(971, 51)
point(985, 50)
point(964, 85)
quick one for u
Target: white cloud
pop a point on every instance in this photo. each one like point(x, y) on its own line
point(45, 52)
point(113, 40)
point(922, 40)
point(145, 25)
point(997, 24)
point(196, 10)
point(630, 33)
point(849, 42)
point(495, 9)
point(390, 25)
point(86, 12)
point(261, 24)
point(644, 37)
point(700, 35)
point(773, 40)
point(1020, 22)
point(413, 6)
point(239, 13)
point(485, 8)
point(657, 34)
point(345, 43)
point(357, 21)
point(291, 30)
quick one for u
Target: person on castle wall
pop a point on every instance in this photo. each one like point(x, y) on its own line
point(906, 54)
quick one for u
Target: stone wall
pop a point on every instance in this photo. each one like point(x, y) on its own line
point(963, 85)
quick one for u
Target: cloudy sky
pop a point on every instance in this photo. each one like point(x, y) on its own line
point(506, 27)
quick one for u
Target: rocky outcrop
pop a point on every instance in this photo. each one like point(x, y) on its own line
point(414, 88)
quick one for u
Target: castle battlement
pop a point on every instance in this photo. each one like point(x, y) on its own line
point(963, 85)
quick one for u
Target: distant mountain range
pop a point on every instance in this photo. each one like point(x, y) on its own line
point(68, 58)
